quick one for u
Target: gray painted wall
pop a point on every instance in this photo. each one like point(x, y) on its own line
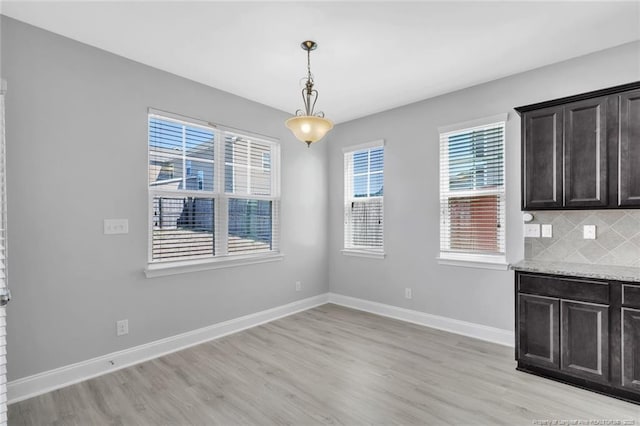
point(411, 190)
point(77, 154)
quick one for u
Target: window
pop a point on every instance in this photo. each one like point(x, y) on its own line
point(266, 161)
point(200, 210)
point(364, 199)
point(472, 196)
point(252, 209)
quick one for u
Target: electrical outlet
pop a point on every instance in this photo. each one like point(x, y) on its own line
point(116, 226)
point(122, 327)
point(547, 231)
point(298, 286)
point(589, 232)
point(532, 230)
point(407, 293)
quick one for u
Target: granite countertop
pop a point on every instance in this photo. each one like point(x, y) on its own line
point(607, 272)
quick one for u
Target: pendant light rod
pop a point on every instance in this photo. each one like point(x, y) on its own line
point(309, 95)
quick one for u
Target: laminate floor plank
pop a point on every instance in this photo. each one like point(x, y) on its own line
point(328, 365)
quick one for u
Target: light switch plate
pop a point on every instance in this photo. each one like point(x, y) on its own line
point(589, 232)
point(547, 231)
point(532, 230)
point(116, 226)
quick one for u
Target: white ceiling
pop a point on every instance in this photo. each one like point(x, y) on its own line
point(372, 56)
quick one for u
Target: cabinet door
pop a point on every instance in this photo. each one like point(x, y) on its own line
point(585, 340)
point(542, 159)
point(538, 338)
point(629, 155)
point(631, 349)
point(585, 153)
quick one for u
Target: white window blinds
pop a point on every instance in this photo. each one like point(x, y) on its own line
point(213, 192)
point(364, 197)
point(472, 198)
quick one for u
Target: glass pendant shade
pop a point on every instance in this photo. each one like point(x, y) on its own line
point(309, 128)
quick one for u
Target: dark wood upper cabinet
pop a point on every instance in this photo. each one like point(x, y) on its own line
point(542, 159)
point(583, 151)
point(629, 151)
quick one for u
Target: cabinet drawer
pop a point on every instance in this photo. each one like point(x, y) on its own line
point(568, 288)
point(631, 295)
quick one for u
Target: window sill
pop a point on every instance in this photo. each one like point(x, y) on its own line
point(172, 268)
point(497, 263)
point(363, 253)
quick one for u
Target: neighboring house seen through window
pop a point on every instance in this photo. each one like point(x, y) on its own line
point(199, 210)
point(472, 197)
point(364, 198)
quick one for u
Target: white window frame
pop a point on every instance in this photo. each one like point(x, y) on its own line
point(472, 260)
point(4, 274)
point(221, 258)
point(348, 249)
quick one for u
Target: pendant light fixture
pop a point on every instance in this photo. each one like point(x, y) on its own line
point(309, 126)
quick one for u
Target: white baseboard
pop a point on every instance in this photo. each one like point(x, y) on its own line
point(37, 384)
point(47, 381)
point(478, 331)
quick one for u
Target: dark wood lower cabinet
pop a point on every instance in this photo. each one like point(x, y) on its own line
point(539, 339)
point(631, 349)
point(583, 332)
point(585, 340)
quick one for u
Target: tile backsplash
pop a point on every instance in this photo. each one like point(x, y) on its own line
point(617, 237)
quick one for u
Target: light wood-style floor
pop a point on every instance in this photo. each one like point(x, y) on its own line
point(328, 365)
